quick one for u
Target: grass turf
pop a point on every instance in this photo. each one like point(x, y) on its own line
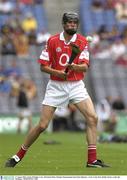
point(68, 157)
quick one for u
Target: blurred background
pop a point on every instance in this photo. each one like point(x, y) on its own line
point(25, 26)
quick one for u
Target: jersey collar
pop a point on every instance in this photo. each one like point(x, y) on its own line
point(73, 39)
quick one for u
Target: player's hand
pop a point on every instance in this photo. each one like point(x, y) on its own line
point(71, 66)
point(77, 67)
point(62, 75)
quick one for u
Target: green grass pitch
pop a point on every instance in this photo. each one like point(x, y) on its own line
point(66, 158)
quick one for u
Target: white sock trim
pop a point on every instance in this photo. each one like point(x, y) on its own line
point(25, 149)
point(16, 158)
point(94, 161)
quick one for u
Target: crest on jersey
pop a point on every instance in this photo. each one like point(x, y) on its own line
point(58, 49)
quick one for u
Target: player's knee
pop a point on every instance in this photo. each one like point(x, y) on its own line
point(96, 119)
point(93, 119)
point(42, 126)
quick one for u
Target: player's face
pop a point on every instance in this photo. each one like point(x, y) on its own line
point(70, 27)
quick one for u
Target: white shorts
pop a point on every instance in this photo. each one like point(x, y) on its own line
point(60, 94)
point(24, 112)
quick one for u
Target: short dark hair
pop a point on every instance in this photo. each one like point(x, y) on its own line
point(70, 16)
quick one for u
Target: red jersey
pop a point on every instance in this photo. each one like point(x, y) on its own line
point(58, 52)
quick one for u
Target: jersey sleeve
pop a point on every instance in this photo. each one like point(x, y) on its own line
point(44, 57)
point(84, 56)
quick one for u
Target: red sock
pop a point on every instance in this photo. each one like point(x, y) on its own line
point(91, 153)
point(21, 152)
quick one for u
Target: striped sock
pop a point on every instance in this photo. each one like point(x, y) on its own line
point(92, 153)
point(21, 152)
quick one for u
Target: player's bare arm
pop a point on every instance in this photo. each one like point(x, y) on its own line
point(59, 73)
point(78, 67)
